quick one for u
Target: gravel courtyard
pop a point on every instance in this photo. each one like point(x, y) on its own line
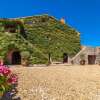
point(59, 82)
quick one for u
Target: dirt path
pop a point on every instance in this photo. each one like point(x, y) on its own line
point(59, 82)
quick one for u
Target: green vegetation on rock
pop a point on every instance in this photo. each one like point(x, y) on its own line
point(40, 35)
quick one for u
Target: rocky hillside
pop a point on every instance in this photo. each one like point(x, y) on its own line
point(41, 35)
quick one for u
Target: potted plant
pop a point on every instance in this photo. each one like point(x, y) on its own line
point(82, 61)
point(7, 80)
point(25, 55)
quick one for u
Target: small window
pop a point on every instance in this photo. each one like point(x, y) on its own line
point(44, 19)
point(29, 23)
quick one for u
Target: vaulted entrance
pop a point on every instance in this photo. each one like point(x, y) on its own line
point(91, 59)
point(16, 58)
point(65, 58)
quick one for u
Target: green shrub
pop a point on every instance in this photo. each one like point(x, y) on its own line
point(25, 54)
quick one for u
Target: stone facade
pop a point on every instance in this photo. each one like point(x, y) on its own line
point(91, 55)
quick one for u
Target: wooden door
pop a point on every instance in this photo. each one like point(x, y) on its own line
point(91, 59)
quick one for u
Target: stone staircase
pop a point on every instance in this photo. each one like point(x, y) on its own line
point(76, 58)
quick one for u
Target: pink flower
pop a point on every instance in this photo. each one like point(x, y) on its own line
point(6, 71)
point(8, 76)
point(1, 70)
point(13, 79)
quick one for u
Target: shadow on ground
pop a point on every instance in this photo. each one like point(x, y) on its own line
point(11, 95)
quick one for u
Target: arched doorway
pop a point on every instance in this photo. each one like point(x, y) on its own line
point(16, 58)
point(65, 58)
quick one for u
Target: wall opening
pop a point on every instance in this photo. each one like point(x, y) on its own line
point(16, 58)
point(65, 58)
point(91, 59)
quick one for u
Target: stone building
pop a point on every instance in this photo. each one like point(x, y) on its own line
point(43, 37)
point(91, 55)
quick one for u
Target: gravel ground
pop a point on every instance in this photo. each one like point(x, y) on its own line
point(59, 82)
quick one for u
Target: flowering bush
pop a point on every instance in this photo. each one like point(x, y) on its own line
point(7, 79)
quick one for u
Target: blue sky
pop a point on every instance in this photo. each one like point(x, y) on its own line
point(84, 15)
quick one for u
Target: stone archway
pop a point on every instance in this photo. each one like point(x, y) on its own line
point(16, 58)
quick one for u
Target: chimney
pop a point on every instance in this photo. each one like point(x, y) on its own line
point(62, 20)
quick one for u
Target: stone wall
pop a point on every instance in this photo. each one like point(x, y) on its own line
point(87, 51)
